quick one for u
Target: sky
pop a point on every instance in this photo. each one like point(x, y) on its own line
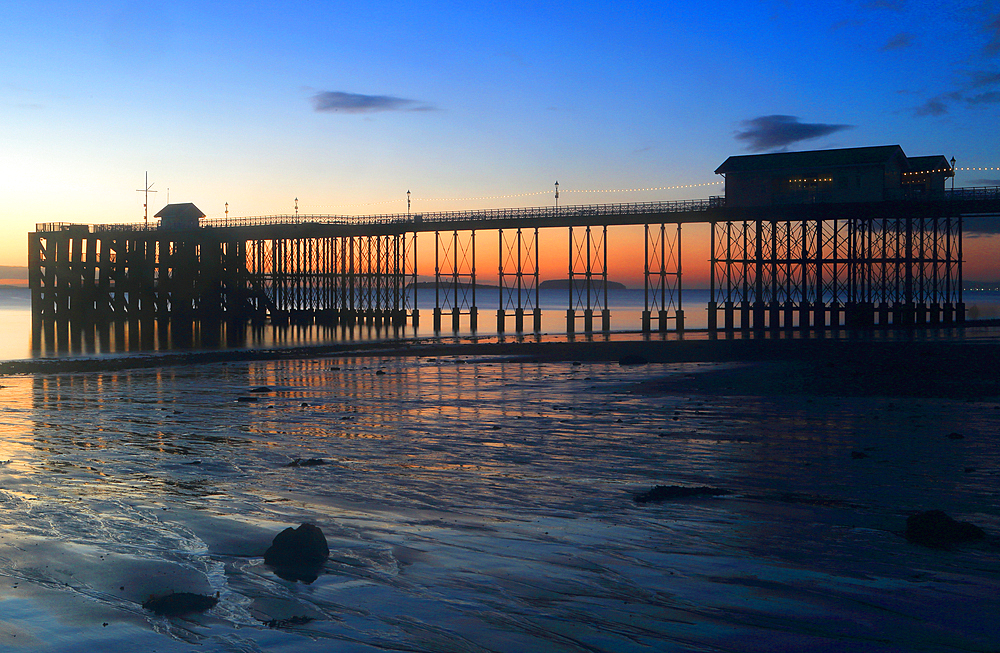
point(346, 106)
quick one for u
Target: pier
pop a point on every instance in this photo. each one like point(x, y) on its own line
point(810, 255)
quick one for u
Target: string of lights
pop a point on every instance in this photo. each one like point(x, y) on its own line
point(927, 172)
point(513, 195)
point(602, 190)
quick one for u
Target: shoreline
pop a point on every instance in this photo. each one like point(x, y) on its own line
point(899, 362)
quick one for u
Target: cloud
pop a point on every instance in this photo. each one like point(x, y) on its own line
point(891, 5)
point(932, 107)
point(898, 42)
point(978, 79)
point(981, 226)
point(981, 78)
point(338, 101)
point(991, 97)
point(774, 132)
point(993, 29)
point(847, 22)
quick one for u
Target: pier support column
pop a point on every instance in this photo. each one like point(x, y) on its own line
point(501, 320)
point(774, 315)
point(819, 313)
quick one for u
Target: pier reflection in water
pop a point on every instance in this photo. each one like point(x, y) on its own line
point(486, 501)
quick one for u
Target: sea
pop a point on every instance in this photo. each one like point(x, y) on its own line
point(625, 305)
point(482, 504)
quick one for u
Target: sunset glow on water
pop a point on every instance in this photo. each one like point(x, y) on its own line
point(483, 502)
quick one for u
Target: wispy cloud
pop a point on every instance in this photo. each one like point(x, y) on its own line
point(933, 107)
point(978, 226)
point(982, 78)
point(976, 91)
point(777, 131)
point(990, 97)
point(891, 5)
point(898, 42)
point(339, 101)
point(992, 28)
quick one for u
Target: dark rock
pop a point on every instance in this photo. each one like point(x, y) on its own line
point(298, 553)
point(179, 603)
point(306, 462)
point(380, 373)
point(286, 623)
point(857, 455)
point(632, 359)
point(937, 530)
point(956, 436)
point(262, 388)
point(246, 400)
point(304, 405)
point(666, 492)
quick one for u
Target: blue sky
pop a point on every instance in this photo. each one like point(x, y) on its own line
point(349, 105)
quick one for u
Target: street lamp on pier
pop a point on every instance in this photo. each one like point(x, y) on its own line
point(557, 197)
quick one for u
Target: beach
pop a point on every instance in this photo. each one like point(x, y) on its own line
point(480, 495)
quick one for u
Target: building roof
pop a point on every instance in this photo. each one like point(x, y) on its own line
point(936, 163)
point(813, 159)
point(183, 211)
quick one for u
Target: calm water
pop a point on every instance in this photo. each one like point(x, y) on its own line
point(478, 505)
point(626, 315)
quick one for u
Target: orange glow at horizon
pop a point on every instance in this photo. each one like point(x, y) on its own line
point(626, 250)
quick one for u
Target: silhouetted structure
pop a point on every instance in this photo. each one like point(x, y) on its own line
point(179, 216)
point(860, 174)
point(853, 237)
point(858, 237)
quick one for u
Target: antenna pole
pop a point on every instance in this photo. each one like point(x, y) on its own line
point(145, 202)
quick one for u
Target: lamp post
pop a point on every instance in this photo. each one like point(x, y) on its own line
point(407, 203)
point(296, 207)
point(952, 174)
point(557, 197)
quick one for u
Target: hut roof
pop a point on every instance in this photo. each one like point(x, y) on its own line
point(936, 163)
point(183, 211)
point(813, 159)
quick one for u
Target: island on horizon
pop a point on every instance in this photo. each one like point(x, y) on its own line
point(550, 284)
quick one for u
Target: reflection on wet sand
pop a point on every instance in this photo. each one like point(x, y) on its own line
point(490, 503)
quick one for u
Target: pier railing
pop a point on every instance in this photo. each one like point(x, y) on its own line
point(567, 213)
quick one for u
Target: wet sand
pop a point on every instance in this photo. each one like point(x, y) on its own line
point(479, 497)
